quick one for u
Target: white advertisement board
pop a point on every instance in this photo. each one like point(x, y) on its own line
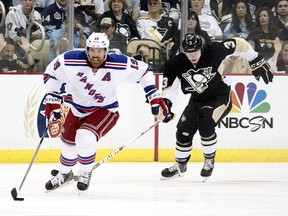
point(258, 119)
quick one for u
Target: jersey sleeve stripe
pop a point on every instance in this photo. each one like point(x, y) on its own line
point(47, 77)
point(75, 62)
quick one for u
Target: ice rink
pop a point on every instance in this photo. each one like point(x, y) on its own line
point(135, 189)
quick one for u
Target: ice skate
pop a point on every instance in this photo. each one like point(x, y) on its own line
point(176, 171)
point(59, 180)
point(207, 169)
point(84, 180)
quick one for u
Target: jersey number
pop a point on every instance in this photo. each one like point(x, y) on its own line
point(134, 64)
point(229, 44)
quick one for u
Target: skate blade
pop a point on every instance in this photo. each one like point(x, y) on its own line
point(173, 177)
point(204, 179)
point(62, 185)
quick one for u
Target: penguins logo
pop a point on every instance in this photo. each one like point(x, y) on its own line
point(199, 79)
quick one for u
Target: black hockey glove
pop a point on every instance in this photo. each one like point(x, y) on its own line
point(261, 68)
point(170, 115)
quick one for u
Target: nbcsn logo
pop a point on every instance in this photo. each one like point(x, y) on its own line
point(249, 101)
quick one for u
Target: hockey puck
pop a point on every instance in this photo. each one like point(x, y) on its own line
point(54, 172)
point(14, 195)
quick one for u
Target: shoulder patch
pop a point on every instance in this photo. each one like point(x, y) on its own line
point(118, 62)
point(75, 58)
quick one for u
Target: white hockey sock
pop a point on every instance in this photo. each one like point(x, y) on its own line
point(209, 145)
point(68, 158)
point(86, 149)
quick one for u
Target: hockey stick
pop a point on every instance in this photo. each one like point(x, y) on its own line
point(14, 191)
point(108, 157)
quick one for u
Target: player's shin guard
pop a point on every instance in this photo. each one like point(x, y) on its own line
point(209, 146)
point(68, 158)
point(86, 148)
point(182, 156)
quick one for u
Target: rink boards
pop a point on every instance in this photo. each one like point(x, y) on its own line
point(255, 130)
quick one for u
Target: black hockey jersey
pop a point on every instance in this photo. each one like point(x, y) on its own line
point(203, 81)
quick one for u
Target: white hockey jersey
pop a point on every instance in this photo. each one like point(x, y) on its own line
point(85, 88)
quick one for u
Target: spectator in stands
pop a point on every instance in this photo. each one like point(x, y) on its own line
point(207, 22)
point(264, 33)
point(222, 11)
point(157, 27)
point(170, 8)
point(58, 38)
point(19, 17)
point(54, 16)
point(118, 42)
point(241, 23)
point(124, 22)
point(193, 26)
point(133, 8)
point(142, 53)
point(172, 4)
point(93, 10)
point(279, 61)
point(9, 61)
point(282, 14)
point(257, 4)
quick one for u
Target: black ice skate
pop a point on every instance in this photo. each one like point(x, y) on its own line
point(207, 169)
point(175, 171)
point(59, 180)
point(84, 180)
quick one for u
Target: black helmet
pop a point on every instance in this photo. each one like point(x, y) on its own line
point(192, 42)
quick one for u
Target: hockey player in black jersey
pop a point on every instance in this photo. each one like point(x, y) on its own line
point(196, 70)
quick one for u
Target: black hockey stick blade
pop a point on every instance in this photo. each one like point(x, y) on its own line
point(14, 194)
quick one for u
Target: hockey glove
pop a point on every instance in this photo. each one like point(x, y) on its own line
point(261, 68)
point(53, 106)
point(158, 106)
point(170, 115)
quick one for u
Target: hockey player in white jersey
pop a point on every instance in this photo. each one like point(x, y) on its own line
point(86, 80)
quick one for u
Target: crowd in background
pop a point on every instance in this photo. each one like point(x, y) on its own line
point(263, 23)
